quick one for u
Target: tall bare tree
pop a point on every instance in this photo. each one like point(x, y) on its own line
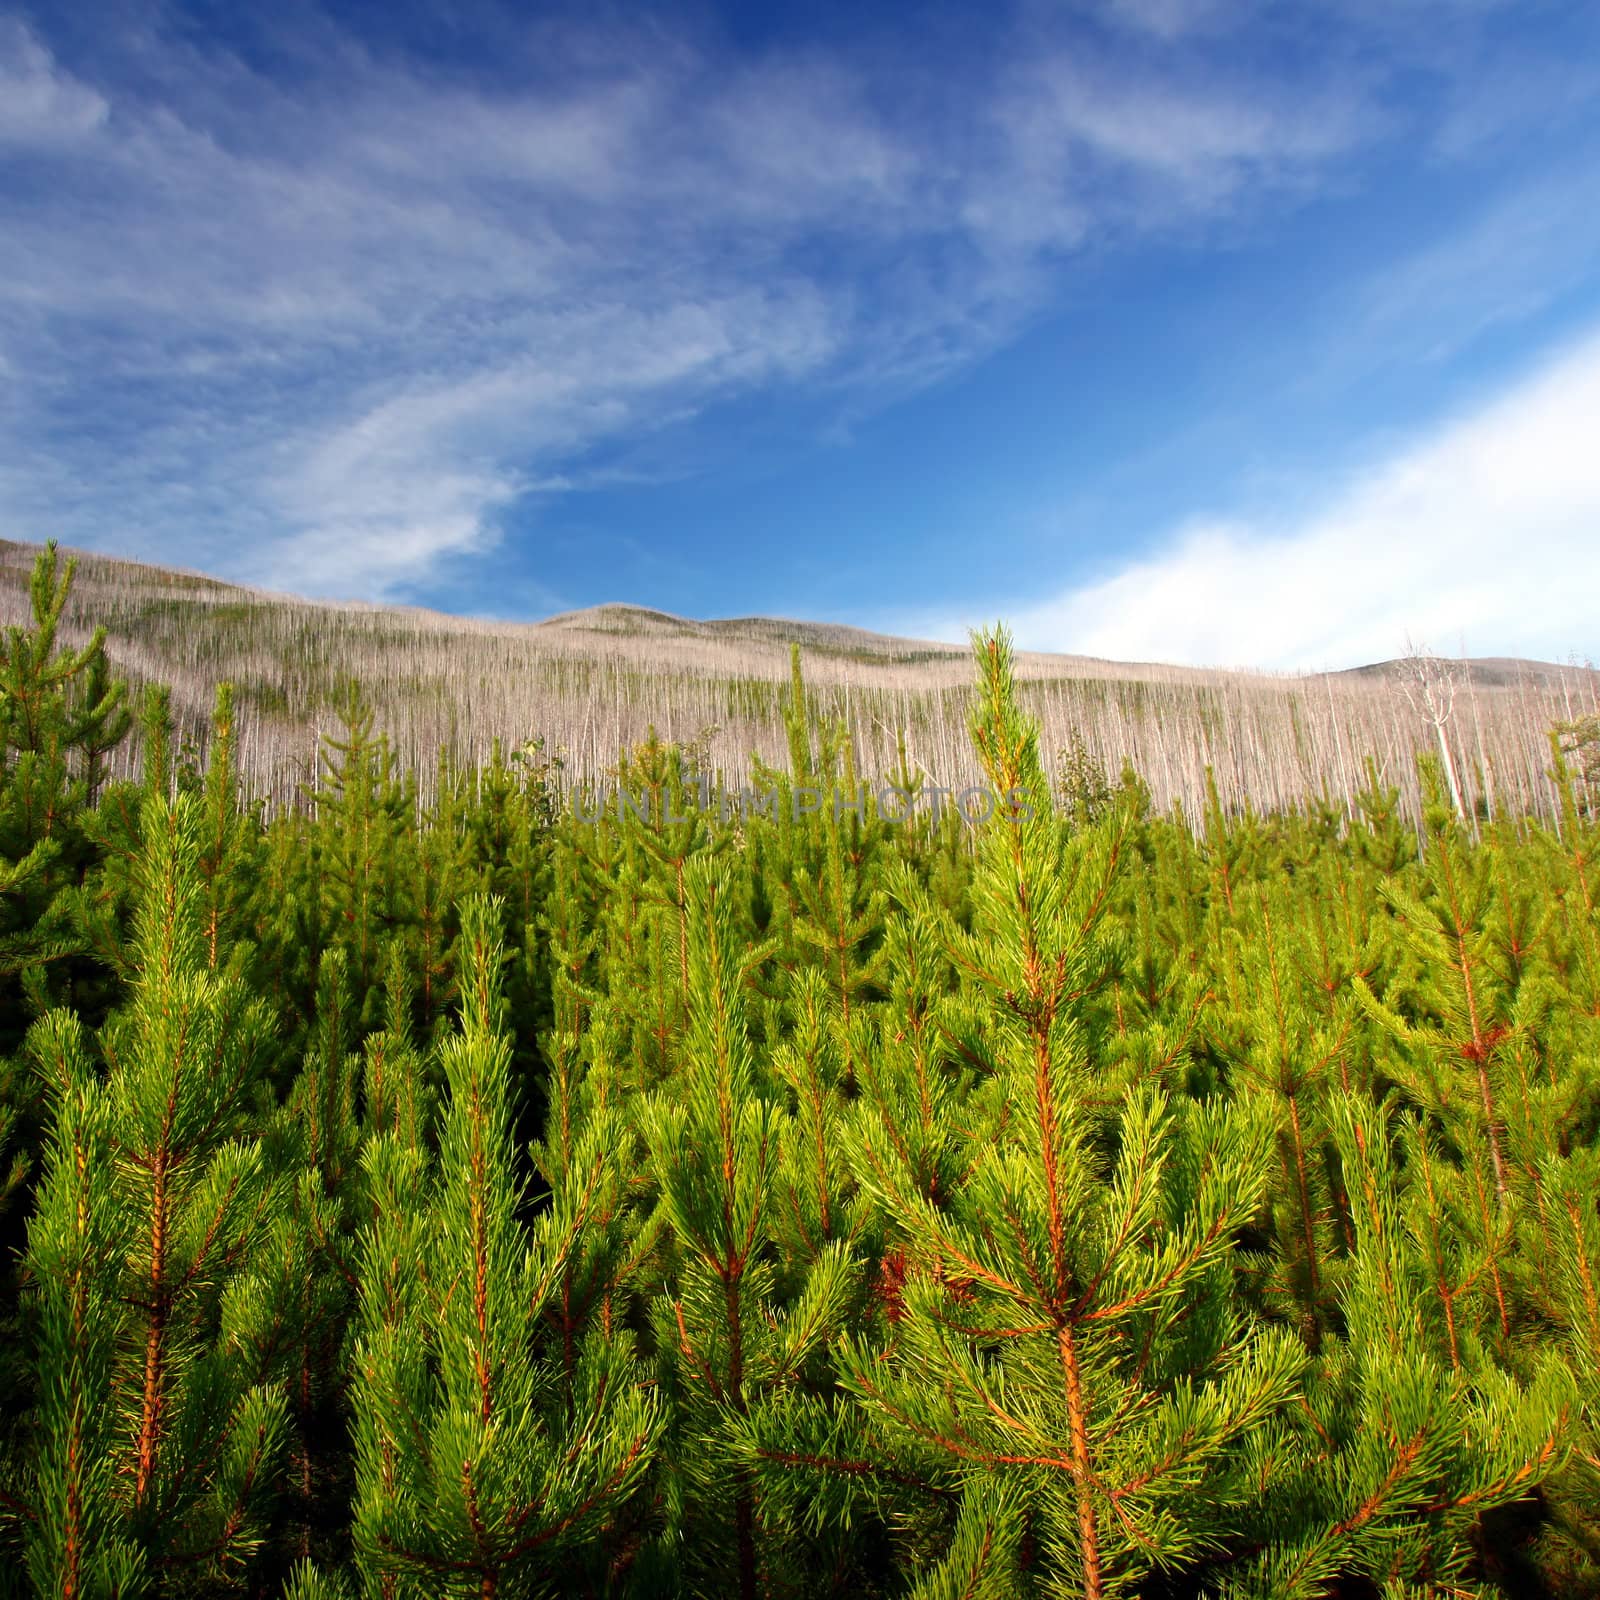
point(1429, 684)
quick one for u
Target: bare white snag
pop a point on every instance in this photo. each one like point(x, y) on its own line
point(1429, 685)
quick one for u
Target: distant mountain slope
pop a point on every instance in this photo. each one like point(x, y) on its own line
point(1496, 672)
point(591, 682)
point(829, 637)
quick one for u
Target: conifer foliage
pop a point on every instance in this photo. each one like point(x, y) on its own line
point(1068, 1342)
point(730, 1340)
point(158, 1427)
point(476, 1462)
point(759, 1186)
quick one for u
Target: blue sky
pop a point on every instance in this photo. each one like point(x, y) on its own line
point(1244, 334)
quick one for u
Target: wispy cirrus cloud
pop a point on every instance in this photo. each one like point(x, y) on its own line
point(40, 104)
point(424, 467)
point(325, 330)
point(1521, 252)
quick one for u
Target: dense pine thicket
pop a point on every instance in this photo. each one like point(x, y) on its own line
point(782, 1200)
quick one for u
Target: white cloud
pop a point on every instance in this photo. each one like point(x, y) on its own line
point(1487, 532)
point(39, 103)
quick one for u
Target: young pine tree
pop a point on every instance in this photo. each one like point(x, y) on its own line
point(156, 1442)
point(1451, 1011)
point(1406, 1436)
point(1286, 1054)
point(838, 922)
point(475, 1475)
point(730, 1347)
point(589, 1155)
point(60, 713)
point(365, 816)
point(1066, 1355)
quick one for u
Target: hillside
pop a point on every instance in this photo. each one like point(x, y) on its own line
point(590, 682)
point(826, 638)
